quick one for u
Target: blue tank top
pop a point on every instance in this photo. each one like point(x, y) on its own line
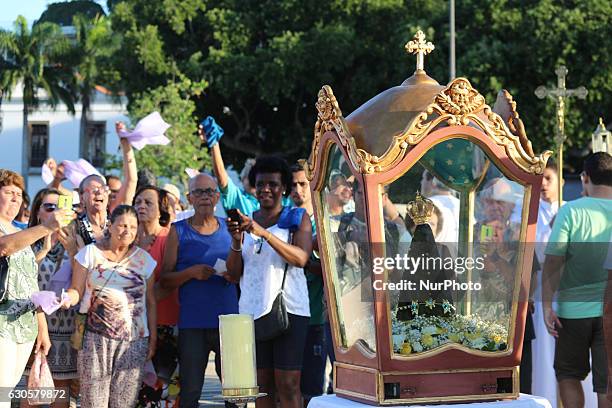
point(201, 302)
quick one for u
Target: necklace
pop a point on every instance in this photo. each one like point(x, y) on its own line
point(146, 241)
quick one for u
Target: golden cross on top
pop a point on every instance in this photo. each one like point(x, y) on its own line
point(419, 47)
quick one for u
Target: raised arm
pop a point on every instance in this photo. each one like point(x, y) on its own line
point(58, 176)
point(217, 161)
point(130, 170)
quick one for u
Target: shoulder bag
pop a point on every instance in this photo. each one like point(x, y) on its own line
point(4, 273)
point(276, 322)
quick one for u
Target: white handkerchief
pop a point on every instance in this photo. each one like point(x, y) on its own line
point(220, 267)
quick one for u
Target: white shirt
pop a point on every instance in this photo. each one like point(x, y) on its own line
point(449, 207)
point(546, 212)
point(263, 276)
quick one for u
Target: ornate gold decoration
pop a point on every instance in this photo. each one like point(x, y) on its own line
point(419, 47)
point(460, 104)
point(329, 118)
point(515, 124)
point(460, 98)
point(420, 209)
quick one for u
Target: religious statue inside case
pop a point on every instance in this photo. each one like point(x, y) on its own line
point(425, 201)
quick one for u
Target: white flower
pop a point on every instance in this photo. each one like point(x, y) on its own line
point(416, 346)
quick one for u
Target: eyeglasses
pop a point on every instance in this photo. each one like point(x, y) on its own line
point(199, 192)
point(98, 190)
point(49, 207)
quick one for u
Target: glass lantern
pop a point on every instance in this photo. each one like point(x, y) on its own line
point(425, 199)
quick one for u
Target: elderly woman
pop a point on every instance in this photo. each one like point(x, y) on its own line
point(195, 245)
point(95, 197)
point(114, 279)
point(263, 250)
point(153, 208)
point(54, 254)
point(19, 326)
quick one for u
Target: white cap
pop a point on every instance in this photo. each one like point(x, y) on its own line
point(172, 189)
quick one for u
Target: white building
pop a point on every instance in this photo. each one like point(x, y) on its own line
point(56, 133)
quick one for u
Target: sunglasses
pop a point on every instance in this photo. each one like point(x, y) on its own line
point(49, 207)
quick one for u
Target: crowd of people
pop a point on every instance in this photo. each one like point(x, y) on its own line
point(143, 278)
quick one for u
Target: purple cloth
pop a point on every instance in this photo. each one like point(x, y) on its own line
point(78, 170)
point(150, 377)
point(48, 300)
point(46, 174)
point(148, 131)
point(191, 172)
point(62, 278)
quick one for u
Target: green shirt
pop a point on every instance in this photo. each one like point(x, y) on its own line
point(580, 233)
point(315, 289)
point(22, 282)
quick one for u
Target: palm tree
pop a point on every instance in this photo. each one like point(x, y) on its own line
point(32, 59)
point(92, 50)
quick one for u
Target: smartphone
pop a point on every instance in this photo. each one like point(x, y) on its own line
point(233, 214)
point(486, 233)
point(64, 202)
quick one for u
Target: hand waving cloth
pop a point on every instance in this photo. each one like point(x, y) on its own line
point(75, 172)
point(148, 131)
point(212, 130)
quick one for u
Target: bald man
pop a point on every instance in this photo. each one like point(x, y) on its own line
point(194, 247)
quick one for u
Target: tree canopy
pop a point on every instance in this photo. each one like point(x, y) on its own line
point(265, 61)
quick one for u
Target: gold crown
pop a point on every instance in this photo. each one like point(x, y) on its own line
point(420, 209)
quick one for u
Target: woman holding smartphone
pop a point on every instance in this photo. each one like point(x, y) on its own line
point(263, 251)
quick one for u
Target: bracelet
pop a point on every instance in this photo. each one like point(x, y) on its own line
point(269, 237)
point(235, 249)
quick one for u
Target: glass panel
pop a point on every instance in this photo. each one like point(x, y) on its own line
point(349, 252)
point(451, 279)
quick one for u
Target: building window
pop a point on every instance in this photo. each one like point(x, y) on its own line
point(95, 143)
point(39, 143)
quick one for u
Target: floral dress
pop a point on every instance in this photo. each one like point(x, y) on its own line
point(62, 358)
point(17, 318)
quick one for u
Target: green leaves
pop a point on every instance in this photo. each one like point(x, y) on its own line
point(36, 58)
point(174, 104)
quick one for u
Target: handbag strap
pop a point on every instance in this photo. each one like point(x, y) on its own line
point(286, 266)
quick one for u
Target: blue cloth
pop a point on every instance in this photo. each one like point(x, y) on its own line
point(212, 130)
point(201, 302)
point(20, 225)
point(291, 218)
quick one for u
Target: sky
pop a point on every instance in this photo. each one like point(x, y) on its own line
point(30, 9)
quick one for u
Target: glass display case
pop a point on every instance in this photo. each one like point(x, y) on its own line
point(425, 201)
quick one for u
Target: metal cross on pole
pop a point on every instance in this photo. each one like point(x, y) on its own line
point(559, 94)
